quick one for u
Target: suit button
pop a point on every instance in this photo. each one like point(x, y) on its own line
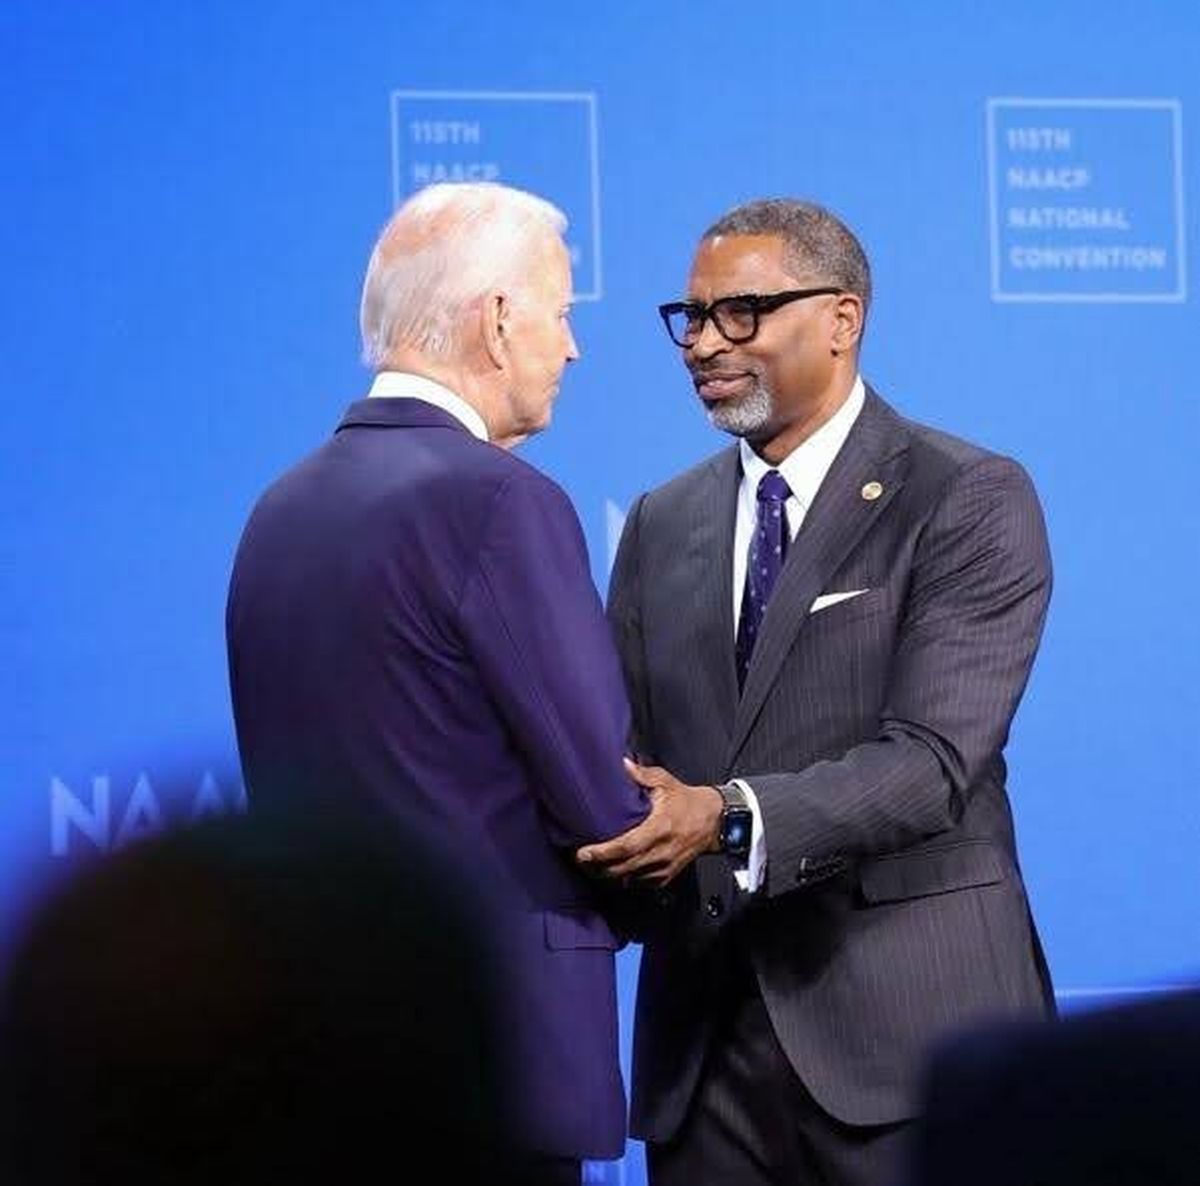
point(714, 907)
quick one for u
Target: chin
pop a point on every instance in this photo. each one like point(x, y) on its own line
point(738, 423)
point(749, 417)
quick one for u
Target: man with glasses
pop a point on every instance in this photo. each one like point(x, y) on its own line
point(826, 630)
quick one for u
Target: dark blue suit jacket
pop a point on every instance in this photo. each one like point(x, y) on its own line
point(413, 631)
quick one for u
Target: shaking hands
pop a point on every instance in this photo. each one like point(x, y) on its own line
point(683, 823)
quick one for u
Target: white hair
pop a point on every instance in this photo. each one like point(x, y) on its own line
point(446, 246)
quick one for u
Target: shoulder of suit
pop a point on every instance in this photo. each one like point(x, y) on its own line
point(936, 457)
point(510, 487)
point(518, 473)
point(933, 446)
point(494, 470)
point(482, 477)
point(702, 480)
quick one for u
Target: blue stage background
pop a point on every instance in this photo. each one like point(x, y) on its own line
point(190, 194)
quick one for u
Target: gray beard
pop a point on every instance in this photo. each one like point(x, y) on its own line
point(746, 418)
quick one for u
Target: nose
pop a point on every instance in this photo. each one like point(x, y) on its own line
point(572, 346)
point(707, 343)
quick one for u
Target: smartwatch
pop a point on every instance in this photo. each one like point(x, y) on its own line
point(737, 822)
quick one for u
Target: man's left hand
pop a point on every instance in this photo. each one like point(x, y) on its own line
point(682, 824)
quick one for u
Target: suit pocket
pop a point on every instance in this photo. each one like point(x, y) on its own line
point(932, 871)
point(874, 603)
point(573, 930)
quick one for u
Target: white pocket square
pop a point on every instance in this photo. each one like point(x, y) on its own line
point(828, 599)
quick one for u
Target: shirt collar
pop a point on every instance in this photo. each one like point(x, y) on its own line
point(405, 385)
point(805, 467)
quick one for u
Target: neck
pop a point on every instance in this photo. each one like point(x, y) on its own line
point(452, 374)
point(774, 449)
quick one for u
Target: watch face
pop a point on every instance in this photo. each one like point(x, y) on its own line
point(736, 825)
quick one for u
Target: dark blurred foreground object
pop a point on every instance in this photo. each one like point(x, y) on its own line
point(250, 1001)
point(1107, 1098)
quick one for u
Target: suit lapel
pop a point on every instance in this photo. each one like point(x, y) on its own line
point(875, 451)
point(710, 573)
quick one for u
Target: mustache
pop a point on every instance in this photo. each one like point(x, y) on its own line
point(703, 371)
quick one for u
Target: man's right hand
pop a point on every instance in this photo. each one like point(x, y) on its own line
point(683, 824)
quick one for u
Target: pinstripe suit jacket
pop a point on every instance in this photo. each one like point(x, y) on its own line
point(872, 732)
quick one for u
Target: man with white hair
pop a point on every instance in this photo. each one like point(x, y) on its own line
point(413, 634)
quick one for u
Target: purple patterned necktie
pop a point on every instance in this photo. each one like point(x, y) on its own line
point(768, 550)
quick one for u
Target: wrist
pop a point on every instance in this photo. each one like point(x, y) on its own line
point(714, 808)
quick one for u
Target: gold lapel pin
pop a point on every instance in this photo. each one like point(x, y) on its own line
point(872, 490)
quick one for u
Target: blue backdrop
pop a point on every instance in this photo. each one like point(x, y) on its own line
point(190, 193)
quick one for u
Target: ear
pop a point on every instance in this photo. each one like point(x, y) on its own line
point(847, 323)
point(496, 315)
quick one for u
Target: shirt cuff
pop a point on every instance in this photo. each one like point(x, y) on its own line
point(751, 877)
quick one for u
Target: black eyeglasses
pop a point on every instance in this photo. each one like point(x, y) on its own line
point(736, 317)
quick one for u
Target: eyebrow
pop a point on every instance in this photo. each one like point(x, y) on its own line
point(729, 296)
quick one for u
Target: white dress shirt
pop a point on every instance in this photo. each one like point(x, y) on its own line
point(403, 385)
point(804, 469)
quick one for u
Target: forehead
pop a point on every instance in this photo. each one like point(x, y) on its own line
point(728, 264)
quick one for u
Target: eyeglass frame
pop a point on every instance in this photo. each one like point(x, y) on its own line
point(758, 304)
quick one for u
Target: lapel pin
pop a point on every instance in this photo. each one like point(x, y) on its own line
point(872, 490)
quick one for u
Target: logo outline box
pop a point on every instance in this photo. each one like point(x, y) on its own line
point(1179, 294)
